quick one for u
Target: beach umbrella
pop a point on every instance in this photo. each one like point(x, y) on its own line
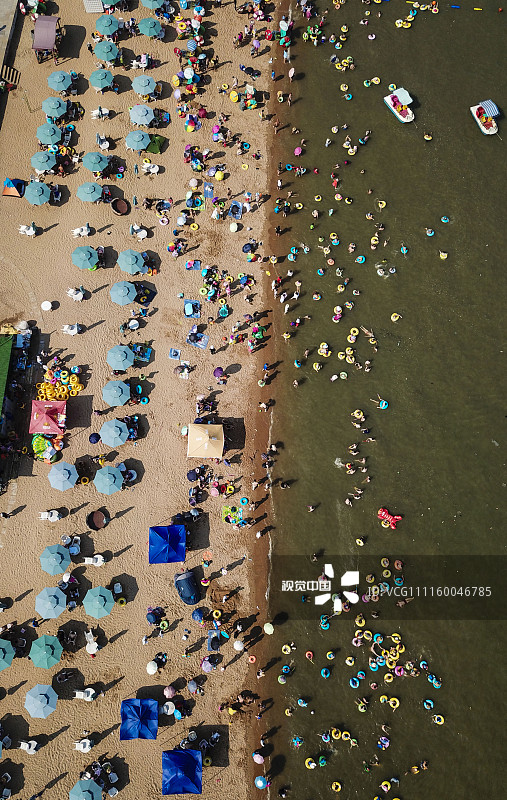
point(122, 293)
point(62, 476)
point(150, 27)
point(89, 192)
point(139, 719)
point(116, 393)
point(101, 78)
point(141, 115)
point(192, 687)
point(169, 692)
point(206, 665)
point(238, 646)
point(37, 193)
point(106, 51)
point(143, 84)
point(120, 357)
point(98, 602)
point(95, 162)
point(49, 133)
point(261, 782)
point(43, 160)
point(108, 480)
point(50, 603)
point(152, 4)
point(218, 372)
point(55, 559)
point(45, 652)
point(114, 432)
point(107, 25)
point(59, 80)
point(130, 261)
point(85, 257)
point(192, 45)
point(85, 790)
point(268, 628)
point(6, 653)
point(258, 758)
point(198, 614)
point(94, 438)
point(41, 701)
point(151, 667)
point(54, 106)
point(137, 140)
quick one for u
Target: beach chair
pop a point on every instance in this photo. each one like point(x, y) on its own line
point(112, 777)
point(6, 793)
point(95, 561)
point(28, 230)
point(88, 694)
point(56, 194)
point(157, 91)
point(100, 113)
point(75, 546)
point(50, 516)
point(30, 747)
point(102, 141)
point(84, 230)
point(6, 742)
point(137, 230)
point(83, 745)
point(75, 294)
point(113, 791)
point(150, 169)
point(67, 136)
point(6, 777)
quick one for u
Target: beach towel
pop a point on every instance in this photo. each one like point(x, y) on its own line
point(201, 343)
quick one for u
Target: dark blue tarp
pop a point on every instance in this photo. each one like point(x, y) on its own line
point(235, 210)
point(167, 544)
point(182, 772)
point(139, 719)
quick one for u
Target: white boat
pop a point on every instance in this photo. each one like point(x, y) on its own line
point(398, 103)
point(484, 115)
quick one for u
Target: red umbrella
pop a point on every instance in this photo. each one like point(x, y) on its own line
point(48, 416)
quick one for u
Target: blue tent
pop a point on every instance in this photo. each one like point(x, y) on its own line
point(167, 545)
point(139, 719)
point(182, 772)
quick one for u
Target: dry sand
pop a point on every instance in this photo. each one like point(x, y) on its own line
point(34, 270)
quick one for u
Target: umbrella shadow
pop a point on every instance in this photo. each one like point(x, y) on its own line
point(65, 691)
point(17, 782)
point(44, 739)
point(16, 727)
point(14, 689)
point(56, 780)
point(99, 736)
point(107, 687)
point(129, 585)
point(123, 512)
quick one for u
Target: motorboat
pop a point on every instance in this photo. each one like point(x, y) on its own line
point(484, 115)
point(398, 103)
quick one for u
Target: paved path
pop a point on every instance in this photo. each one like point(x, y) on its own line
point(8, 11)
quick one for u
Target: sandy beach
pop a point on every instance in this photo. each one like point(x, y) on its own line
point(40, 269)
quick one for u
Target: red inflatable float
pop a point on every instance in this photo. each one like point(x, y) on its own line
point(392, 519)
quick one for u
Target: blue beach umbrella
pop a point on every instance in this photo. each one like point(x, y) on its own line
point(106, 51)
point(6, 653)
point(59, 80)
point(54, 107)
point(139, 719)
point(89, 192)
point(37, 193)
point(141, 115)
point(55, 559)
point(95, 162)
point(86, 790)
point(108, 480)
point(150, 27)
point(120, 357)
point(143, 84)
point(50, 603)
point(107, 25)
point(131, 261)
point(122, 293)
point(62, 476)
point(182, 772)
point(43, 160)
point(46, 652)
point(114, 432)
point(49, 133)
point(137, 140)
point(101, 78)
point(116, 393)
point(98, 602)
point(85, 257)
point(41, 701)
point(167, 544)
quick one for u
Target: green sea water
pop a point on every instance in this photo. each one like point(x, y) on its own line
point(439, 455)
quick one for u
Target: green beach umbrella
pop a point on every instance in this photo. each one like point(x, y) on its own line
point(62, 476)
point(37, 193)
point(6, 653)
point(122, 293)
point(152, 4)
point(59, 80)
point(86, 790)
point(101, 78)
point(108, 480)
point(107, 25)
point(89, 192)
point(143, 84)
point(95, 162)
point(45, 652)
point(137, 140)
point(141, 115)
point(116, 393)
point(98, 601)
point(150, 27)
point(55, 559)
point(43, 160)
point(130, 261)
point(120, 357)
point(85, 257)
point(106, 51)
point(41, 701)
point(49, 133)
point(114, 432)
point(54, 107)
point(50, 603)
